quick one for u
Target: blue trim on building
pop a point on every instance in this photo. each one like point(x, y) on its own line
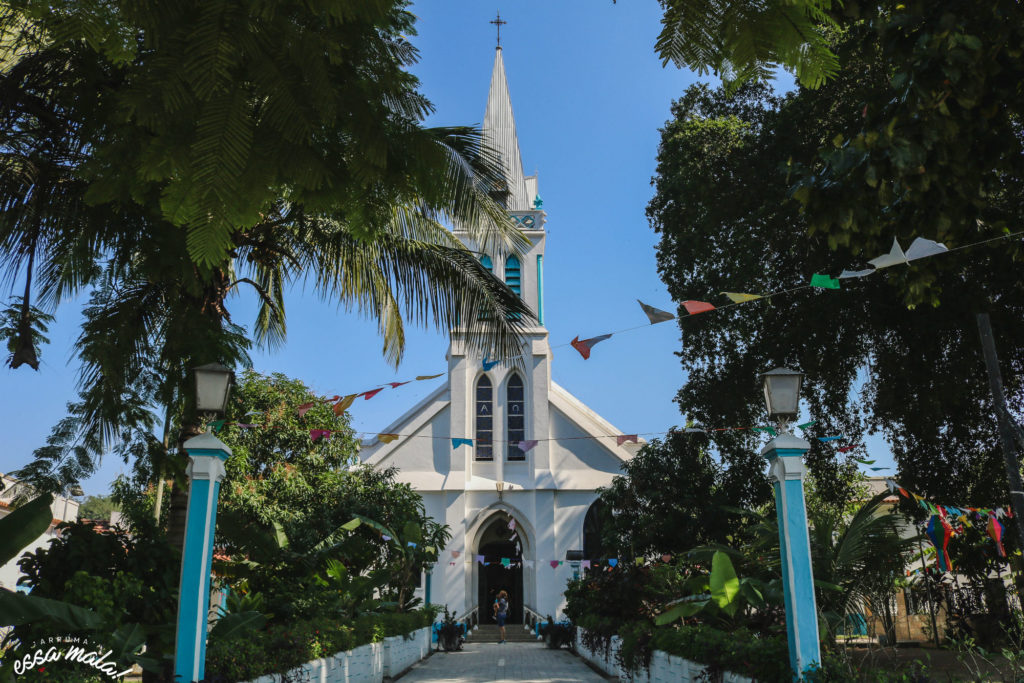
point(540, 288)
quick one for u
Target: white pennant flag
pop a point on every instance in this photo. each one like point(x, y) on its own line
point(921, 248)
point(894, 258)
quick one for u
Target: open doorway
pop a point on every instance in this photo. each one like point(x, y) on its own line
point(500, 541)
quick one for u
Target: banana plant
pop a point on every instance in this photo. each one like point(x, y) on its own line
point(24, 525)
point(719, 592)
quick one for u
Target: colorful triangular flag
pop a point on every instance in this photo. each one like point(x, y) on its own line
point(344, 403)
point(304, 408)
point(387, 438)
point(370, 394)
point(461, 442)
point(423, 377)
point(740, 297)
point(488, 364)
point(527, 446)
point(584, 345)
point(695, 307)
point(623, 438)
point(655, 315)
point(824, 281)
point(395, 385)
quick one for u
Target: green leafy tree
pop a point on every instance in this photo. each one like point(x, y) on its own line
point(936, 150)
point(741, 41)
point(727, 222)
point(674, 496)
point(233, 144)
point(288, 503)
point(97, 508)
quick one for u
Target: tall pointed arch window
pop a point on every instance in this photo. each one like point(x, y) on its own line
point(516, 407)
point(485, 261)
point(513, 280)
point(484, 419)
point(512, 274)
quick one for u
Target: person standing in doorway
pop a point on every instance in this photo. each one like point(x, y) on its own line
point(501, 612)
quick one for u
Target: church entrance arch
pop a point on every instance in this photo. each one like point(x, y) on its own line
point(501, 547)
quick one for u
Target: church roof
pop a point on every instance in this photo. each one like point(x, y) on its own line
point(499, 133)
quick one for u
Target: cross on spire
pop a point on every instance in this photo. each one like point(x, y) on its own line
point(499, 22)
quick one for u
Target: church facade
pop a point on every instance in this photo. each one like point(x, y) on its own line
point(520, 500)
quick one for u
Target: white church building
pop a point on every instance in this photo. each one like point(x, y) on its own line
point(513, 514)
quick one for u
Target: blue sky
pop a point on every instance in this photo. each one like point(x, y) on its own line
point(589, 96)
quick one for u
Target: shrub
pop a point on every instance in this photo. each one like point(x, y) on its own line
point(278, 648)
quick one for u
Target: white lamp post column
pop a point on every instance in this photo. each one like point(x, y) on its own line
point(785, 456)
point(205, 471)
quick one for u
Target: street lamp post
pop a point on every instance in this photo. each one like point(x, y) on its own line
point(785, 456)
point(207, 455)
point(429, 570)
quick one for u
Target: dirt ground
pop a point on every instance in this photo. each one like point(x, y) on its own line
point(929, 664)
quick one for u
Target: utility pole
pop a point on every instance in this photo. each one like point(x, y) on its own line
point(1007, 428)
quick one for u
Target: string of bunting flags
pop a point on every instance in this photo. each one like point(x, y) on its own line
point(946, 521)
point(920, 248)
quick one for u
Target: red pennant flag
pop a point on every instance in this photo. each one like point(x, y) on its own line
point(847, 449)
point(623, 438)
point(370, 394)
point(695, 307)
point(395, 385)
point(554, 564)
point(317, 434)
point(584, 345)
point(304, 408)
point(666, 558)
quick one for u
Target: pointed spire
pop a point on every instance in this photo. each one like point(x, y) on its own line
point(499, 133)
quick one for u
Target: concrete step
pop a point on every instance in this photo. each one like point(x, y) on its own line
point(514, 633)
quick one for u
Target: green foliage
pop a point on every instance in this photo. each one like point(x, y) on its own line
point(282, 647)
point(24, 525)
point(24, 328)
point(937, 148)
point(121, 588)
point(742, 41)
point(97, 508)
point(727, 223)
point(673, 495)
point(304, 525)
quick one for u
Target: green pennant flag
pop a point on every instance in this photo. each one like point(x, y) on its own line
point(824, 281)
point(805, 425)
point(770, 430)
point(217, 425)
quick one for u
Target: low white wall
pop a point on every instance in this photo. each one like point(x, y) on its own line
point(665, 668)
point(365, 664)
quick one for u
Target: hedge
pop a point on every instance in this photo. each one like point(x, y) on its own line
point(281, 647)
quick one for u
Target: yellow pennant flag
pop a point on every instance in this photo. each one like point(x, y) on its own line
point(429, 376)
point(739, 298)
point(344, 403)
point(387, 438)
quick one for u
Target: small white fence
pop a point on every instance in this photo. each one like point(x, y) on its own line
point(665, 668)
point(365, 664)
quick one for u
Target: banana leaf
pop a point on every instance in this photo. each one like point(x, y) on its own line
point(24, 525)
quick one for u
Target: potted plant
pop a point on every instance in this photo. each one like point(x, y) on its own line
point(449, 635)
point(557, 635)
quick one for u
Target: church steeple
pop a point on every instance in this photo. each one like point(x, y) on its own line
point(499, 133)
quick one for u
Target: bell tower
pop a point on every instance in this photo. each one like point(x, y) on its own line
point(501, 402)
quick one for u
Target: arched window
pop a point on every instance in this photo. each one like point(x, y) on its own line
point(485, 261)
point(516, 427)
point(512, 274)
point(593, 549)
point(484, 419)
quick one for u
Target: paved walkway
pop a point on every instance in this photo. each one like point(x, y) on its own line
point(481, 662)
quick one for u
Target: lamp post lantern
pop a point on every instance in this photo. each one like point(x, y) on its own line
point(213, 386)
point(499, 487)
point(785, 457)
point(207, 455)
